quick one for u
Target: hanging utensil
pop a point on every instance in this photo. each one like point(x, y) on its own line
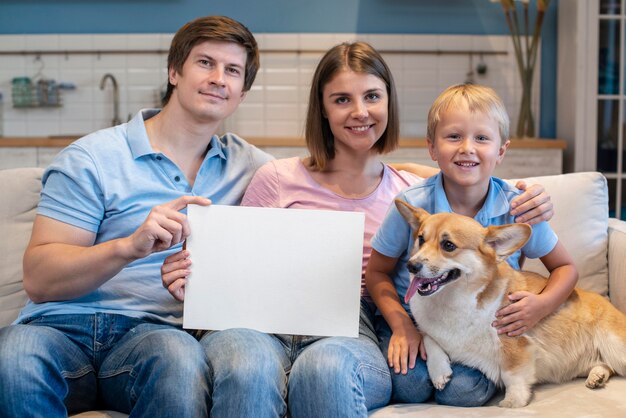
point(469, 76)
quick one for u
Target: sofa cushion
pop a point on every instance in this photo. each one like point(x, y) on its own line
point(19, 189)
point(581, 222)
point(617, 263)
point(569, 399)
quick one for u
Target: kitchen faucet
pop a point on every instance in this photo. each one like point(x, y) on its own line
point(116, 97)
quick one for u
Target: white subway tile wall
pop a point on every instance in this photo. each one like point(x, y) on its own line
point(423, 65)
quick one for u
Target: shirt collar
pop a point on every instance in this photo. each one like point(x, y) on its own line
point(441, 200)
point(496, 204)
point(138, 140)
point(215, 148)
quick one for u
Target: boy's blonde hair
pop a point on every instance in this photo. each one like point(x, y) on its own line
point(478, 98)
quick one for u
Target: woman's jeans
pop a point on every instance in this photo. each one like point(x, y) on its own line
point(62, 364)
point(251, 374)
point(467, 386)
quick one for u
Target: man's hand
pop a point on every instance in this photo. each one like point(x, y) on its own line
point(532, 206)
point(165, 226)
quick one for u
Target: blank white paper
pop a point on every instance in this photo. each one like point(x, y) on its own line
point(283, 271)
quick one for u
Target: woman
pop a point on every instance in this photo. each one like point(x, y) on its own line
point(352, 119)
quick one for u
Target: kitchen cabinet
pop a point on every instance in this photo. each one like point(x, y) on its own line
point(26, 156)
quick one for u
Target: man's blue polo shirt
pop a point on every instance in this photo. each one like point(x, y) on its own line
point(394, 239)
point(107, 183)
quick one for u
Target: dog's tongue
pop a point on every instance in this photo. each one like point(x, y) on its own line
point(411, 290)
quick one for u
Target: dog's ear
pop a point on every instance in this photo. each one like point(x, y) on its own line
point(506, 239)
point(414, 216)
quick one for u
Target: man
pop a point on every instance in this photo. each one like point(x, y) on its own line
point(100, 331)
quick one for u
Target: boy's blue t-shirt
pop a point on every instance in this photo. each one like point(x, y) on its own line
point(394, 239)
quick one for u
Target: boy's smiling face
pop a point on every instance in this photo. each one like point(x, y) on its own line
point(467, 146)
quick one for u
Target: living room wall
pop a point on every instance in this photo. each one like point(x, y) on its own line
point(472, 17)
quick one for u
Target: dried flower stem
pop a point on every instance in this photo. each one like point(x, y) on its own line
point(526, 56)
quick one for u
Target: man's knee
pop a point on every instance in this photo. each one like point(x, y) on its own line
point(174, 349)
point(37, 349)
point(40, 368)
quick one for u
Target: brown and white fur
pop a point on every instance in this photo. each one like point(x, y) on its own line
point(459, 279)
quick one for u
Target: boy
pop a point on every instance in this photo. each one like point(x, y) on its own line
point(468, 130)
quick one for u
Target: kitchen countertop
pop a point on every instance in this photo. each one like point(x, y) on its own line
point(64, 140)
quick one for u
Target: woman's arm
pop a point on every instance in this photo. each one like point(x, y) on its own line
point(422, 171)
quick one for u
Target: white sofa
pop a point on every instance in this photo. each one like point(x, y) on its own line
point(597, 243)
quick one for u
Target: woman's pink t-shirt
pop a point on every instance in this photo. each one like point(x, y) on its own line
point(286, 183)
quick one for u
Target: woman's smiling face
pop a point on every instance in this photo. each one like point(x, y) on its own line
point(356, 106)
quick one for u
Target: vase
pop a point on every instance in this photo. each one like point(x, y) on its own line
point(526, 121)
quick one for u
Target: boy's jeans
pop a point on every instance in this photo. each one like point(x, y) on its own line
point(62, 364)
point(467, 387)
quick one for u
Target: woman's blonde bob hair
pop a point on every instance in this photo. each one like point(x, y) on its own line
point(359, 57)
point(478, 99)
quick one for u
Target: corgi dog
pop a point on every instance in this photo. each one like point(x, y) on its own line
point(460, 279)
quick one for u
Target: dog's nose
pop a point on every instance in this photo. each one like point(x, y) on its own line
point(414, 268)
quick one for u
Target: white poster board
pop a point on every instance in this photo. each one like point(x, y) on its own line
point(282, 271)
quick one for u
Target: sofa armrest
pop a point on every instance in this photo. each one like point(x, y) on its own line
point(617, 263)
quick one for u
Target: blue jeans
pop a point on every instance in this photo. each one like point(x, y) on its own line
point(60, 364)
point(252, 372)
point(467, 386)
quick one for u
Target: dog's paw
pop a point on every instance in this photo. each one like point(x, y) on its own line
point(439, 372)
point(516, 398)
point(511, 403)
point(441, 381)
point(598, 377)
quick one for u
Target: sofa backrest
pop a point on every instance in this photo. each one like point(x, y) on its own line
point(19, 189)
point(581, 222)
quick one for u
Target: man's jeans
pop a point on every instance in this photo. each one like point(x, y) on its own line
point(467, 387)
point(62, 364)
point(252, 372)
